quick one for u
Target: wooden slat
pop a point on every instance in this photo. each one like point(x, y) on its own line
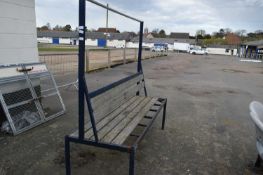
point(118, 118)
point(127, 117)
point(125, 94)
point(117, 89)
point(122, 136)
point(106, 119)
point(108, 107)
point(112, 96)
point(113, 115)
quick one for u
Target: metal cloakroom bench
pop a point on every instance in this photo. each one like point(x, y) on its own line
point(122, 114)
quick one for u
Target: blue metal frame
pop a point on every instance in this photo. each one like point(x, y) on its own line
point(83, 94)
point(110, 86)
point(81, 66)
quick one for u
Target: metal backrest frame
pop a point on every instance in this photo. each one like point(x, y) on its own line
point(83, 92)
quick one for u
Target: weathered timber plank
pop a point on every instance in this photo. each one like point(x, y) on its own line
point(117, 89)
point(110, 125)
point(111, 117)
point(127, 118)
point(109, 106)
point(122, 136)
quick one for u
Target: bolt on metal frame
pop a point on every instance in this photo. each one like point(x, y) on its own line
point(84, 95)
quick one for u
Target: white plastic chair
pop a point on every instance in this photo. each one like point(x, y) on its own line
point(256, 113)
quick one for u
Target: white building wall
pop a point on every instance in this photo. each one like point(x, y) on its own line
point(132, 45)
point(91, 42)
point(220, 51)
point(116, 43)
point(45, 40)
point(64, 41)
point(18, 38)
point(170, 47)
point(150, 45)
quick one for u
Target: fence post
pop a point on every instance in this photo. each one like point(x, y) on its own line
point(124, 54)
point(135, 54)
point(87, 60)
point(109, 58)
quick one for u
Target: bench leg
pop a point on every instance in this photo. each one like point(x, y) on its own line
point(132, 162)
point(258, 162)
point(67, 156)
point(164, 115)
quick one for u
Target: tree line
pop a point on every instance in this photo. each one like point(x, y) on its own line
point(217, 37)
point(47, 27)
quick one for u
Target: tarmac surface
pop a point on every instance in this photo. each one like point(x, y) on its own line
point(208, 129)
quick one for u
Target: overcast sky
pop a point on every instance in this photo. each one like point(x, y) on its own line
point(170, 15)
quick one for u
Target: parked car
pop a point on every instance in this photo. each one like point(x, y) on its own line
point(198, 51)
point(158, 49)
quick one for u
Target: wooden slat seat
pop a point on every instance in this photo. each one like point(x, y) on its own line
point(120, 115)
point(118, 125)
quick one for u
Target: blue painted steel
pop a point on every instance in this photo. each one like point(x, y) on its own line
point(83, 92)
point(81, 66)
point(67, 155)
point(139, 66)
point(164, 114)
point(144, 87)
point(121, 148)
point(55, 40)
point(102, 42)
point(113, 10)
point(110, 86)
point(163, 102)
point(92, 120)
point(132, 161)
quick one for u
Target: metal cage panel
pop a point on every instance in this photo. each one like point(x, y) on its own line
point(29, 96)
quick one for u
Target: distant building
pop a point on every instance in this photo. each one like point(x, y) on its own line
point(252, 49)
point(150, 42)
point(232, 39)
point(230, 50)
point(178, 35)
point(96, 39)
point(108, 30)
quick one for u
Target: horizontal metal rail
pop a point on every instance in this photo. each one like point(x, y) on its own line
point(110, 86)
point(113, 10)
point(162, 106)
point(111, 146)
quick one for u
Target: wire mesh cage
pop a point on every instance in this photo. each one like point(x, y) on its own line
point(49, 97)
point(28, 96)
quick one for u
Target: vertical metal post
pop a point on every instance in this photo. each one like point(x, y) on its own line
point(164, 115)
point(124, 54)
point(67, 156)
point(132, 162)
point(135, 54)
point(109, 58)
point(139, 66)
point(81, 66)
point(92, 120)
point(87, 60)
